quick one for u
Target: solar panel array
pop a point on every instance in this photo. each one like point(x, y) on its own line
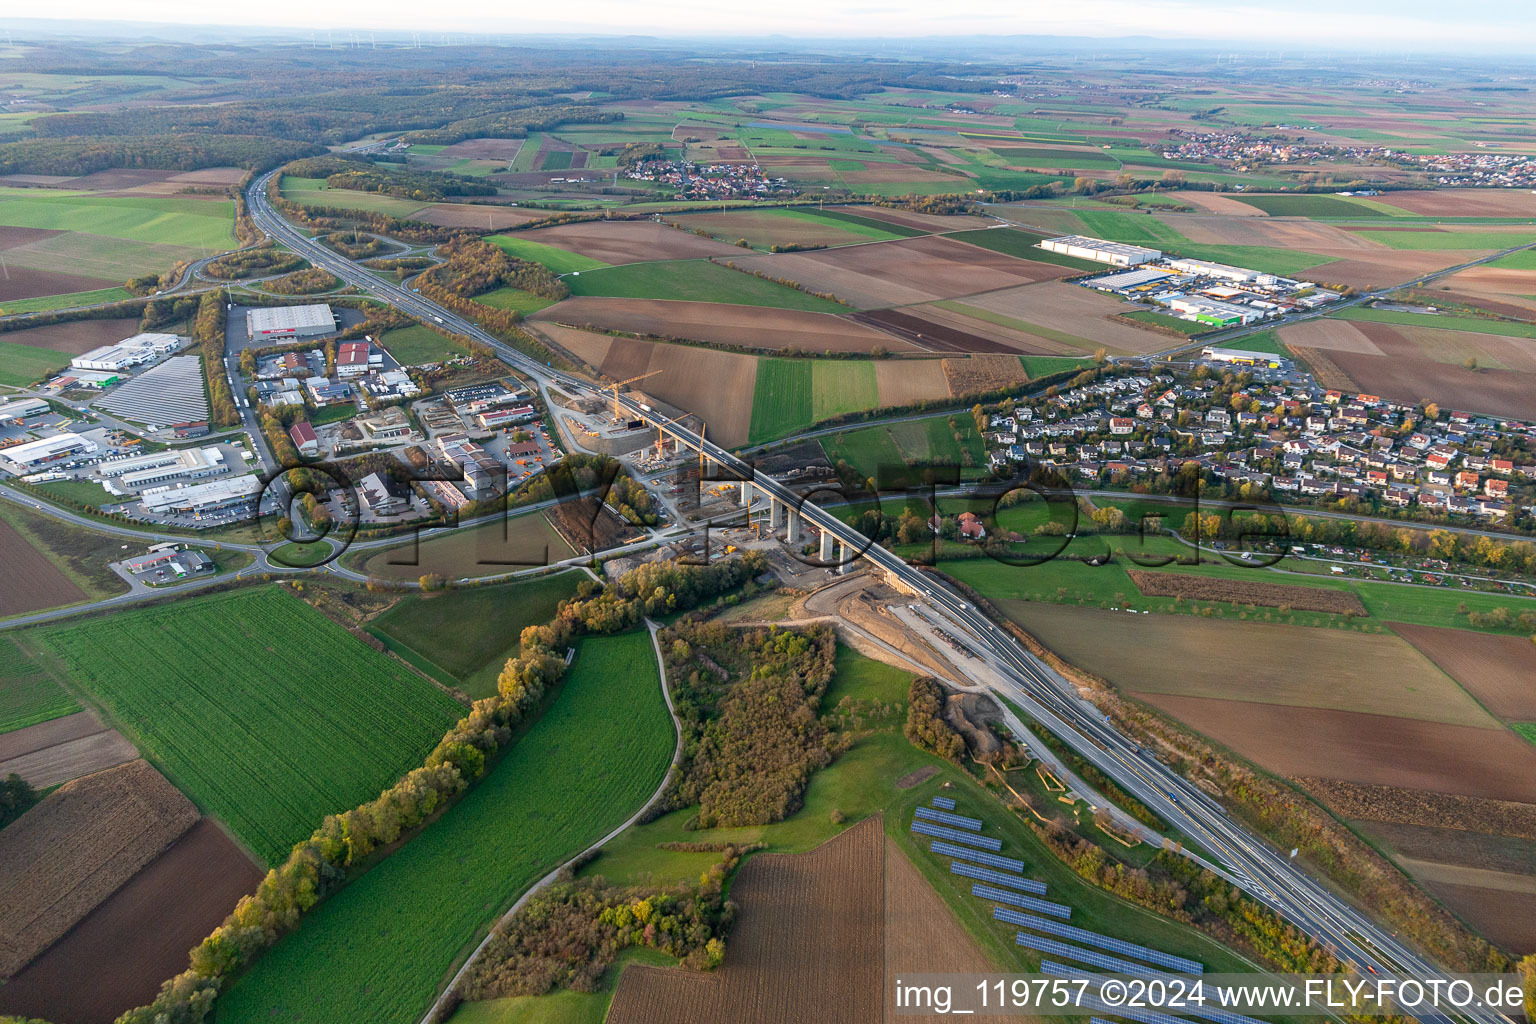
point(945, 802)
point(1090, 1001)
point(928, 828)
point(1109, 963)
point(988, 892)
point(989, 859)
point(997, 877)
point(171, 392)
point(945, 818)
point(1087, 938)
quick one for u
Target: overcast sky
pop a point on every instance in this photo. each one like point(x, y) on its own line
point(1425, 25)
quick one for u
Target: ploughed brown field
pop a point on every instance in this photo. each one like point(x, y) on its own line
point(1462, 814)
point(483, 149)
point(1500, 671)
point(75, 338)
point(139, 936)
point(1077, 312)
point(806, 947)
point(1272, 595)
point(66, 855)
point(917, 221)
point(635, 241)
point(61, 749)
point(462, 215)
point(1257, 666)
point(766, 227)
point(747, 326)
point(1373, 749)
point(1465, 202)
point(716, 385)
point(935, 337)
point(901, 272)
point(904, 381)
point(32, 581)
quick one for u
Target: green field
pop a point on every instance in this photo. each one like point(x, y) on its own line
point(100, 296)
point(514, 298)
point(87, 492)
point(1134, 228)
point(265, 712)
point(419, 344)
point(21, 365)
point(192, 223)
point(791, 394)
point(1053, 158)
point(1172, 323)
point(561, 261)
point(1262, 341)
point(875, 227)
point(379, 949)
point(1014, 242)
point(695, 281)
point(1523, 260)
point(1526, 729)
point(1442, 240)
point(1283, 262)
point(864, 448)
point(312, 192)
point(28, 695)
point(1311, 206)
point(464, 637)
point(1042, 366)
point(1440, 321)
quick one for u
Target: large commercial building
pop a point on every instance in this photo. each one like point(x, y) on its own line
point(290, 321)
point(18, 409)
point(141, 348)
point(1116, 254)
point(34, 455)
point(202, 499)
point(1244, 357)
point(1204, 268)
point(1213, 311)
point(352, 359)
point(143, 471)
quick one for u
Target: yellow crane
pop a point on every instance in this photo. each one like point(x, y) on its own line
point(617, 412)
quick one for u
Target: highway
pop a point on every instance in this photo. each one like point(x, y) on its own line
point(1265, 873)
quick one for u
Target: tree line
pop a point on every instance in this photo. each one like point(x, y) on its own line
point(86, 153)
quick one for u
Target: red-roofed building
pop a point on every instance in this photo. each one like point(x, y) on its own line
point(352, 359)
point(304, 438)
point(970, 526)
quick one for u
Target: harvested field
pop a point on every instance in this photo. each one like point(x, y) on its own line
point(159, 914)
point(33, 582)
point(1500, 671)
point(980, 373)
point(1272, 595)
point(1465, 202)
point(1496, 392)
point(777, 330)
point(1296, 235)
point(70, 852)
point(1330, 335)
point(1511, 284)
point(1214, 202)
point(1383, 268)
point(705, 381)
point(1025, 339)
point(1373, 749)
point(916, 221)
point(32, 283)
point(806, 946)
point(1505, 918)
point(921, 933)
point(483, 149)
point(905, 381)
point(907, 271)
point(1327, 372)
point(1254, 665)
point(588, 526)
point(763, 228)
point(61, 749)
point(629, 241)
point(1454, 846)
point(461, 215)
point(76, 337)
point(1426, 809)
point(935, 337)
point(520, 540)
point(1074, 311)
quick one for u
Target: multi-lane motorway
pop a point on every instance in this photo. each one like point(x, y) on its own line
point(1259, 869)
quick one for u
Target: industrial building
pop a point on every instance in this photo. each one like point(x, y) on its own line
point(141, 348)
point(382, 495)
point(31, 456)
point(1116, 254)
point(1213, 311)
point(483, 475)
point(179, 564)
point(290, 321)
point(92, 380)
point(141, 471)
point(1243, 357)
point(304, 438)
point(18, 409)
point(201, 499)
point(1222, 271)
point(352, 359)
point(172, 392)
point(1129, 280)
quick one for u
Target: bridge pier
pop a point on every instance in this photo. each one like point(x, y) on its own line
point(844, 562)
point(746, 494)
point(826, 546)
point(792, 529)
point(775, 514)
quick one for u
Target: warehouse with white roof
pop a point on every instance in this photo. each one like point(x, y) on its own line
point(290, 321)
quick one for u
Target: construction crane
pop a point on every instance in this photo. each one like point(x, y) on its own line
point(617, 412)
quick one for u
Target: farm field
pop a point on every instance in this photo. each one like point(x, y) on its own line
point(1346, 207)
point(92, 297)
point(34, 580)
point(419, 344)
point(1024, 245)
point(791, 394)
point(25, 365)
point(626, 242)
point(1469, 202)
point(58, 749)
point(464, 637)
point(523, 539)
point(514, 298)
point(721, 324)
point(166, 908)
point(71, 851)
point(310, 192)
point(1190, 656)
point(29, 696)
point(1438, 321)
point(1497, 670)
point(380, 948)
point(286, 691)
point(765, 228)
point(1073, 316)
point(1252, 591)
point(694, 281)
point(561, 261)
point(73, 338)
